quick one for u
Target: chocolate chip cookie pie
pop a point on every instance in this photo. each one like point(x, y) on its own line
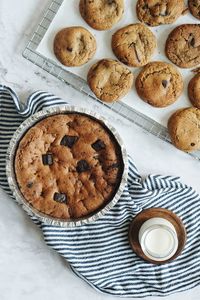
point(68, 165)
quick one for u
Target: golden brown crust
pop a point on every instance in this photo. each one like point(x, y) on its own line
point(84, 170)
point(159, 12)
point(183, 45)
point(194, 90)
point(109, 80)
point(159, 84)
point(74, 46)
point(101, 14)
point(184, 129)
point(134, 45)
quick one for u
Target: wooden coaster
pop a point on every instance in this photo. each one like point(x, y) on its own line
point(156, 213)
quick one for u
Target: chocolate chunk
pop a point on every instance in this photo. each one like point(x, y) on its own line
point(110, 2)
point(47, 159)
point(145, 6)
point(113, 166)
point(82, 166)
point(70, 123)
point(192, 144)
point(134, 46)
point(60, 197)
point(69, 49)
point(192, 42)
point(164, 83)
point(29, 184)
point(69, 140)
point(98, 145)
point(124, 61)
point(137, 54)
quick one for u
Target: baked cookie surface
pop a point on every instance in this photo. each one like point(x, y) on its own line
point(101, 14)
point(134, 45)
point(74, 46)
point(184, 129)
point(159, 12)
point(194, 90)
point(183, 45)
point(109, 80)
point(159, 84)
point(68, 165)
point(194, 7)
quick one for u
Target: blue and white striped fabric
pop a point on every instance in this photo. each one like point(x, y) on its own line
point(99, 252)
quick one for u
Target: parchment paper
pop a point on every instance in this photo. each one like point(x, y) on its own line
point(68, 15)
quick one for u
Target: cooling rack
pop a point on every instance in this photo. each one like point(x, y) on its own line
point(73, 80)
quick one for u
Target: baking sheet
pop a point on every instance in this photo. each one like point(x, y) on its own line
point(68, 15)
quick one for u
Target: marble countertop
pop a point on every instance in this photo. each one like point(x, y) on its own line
point(28, 268)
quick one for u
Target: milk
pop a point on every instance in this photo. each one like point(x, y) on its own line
point(158, 239)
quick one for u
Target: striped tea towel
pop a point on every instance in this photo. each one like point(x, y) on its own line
point(99, 252)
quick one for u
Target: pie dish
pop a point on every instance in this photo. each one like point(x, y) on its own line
point(66, 165)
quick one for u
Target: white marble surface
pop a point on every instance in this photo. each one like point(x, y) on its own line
point(28, 269)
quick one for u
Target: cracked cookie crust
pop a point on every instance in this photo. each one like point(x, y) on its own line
point(183, 45)
point(74, 46)
point(184, 129)
point(158, 12)
point(159, 84)
point(134, 45)
point(101, 14)
point(109, 80)
point(68, 165)
point(194, 7)
point(194, 90)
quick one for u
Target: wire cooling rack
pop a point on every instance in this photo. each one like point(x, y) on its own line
point(134, 116)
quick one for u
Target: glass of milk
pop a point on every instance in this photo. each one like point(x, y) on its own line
point(158, 239)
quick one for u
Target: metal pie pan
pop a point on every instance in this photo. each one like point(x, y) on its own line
point(10, 158)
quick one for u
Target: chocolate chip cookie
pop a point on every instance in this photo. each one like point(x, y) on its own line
point(194, 90)
point(101, 14)
point(183, 45)
point(74, 46)
point(194, 7)
point(159, 84)
point(109, 80)
point(159, 12)
point(184, 129)
point(68, 165)
point(134, 45)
